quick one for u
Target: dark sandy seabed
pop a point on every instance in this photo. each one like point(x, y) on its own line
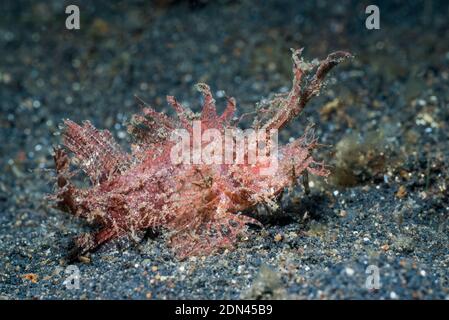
point(383, 118)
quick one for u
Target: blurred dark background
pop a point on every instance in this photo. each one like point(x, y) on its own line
point(241, 48)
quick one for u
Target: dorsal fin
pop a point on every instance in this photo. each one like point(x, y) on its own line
point(151, 127)
point(100, 156)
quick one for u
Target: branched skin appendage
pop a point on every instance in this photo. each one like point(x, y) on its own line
point(198, 205)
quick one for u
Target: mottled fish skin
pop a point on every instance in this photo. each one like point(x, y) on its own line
point(197, 205)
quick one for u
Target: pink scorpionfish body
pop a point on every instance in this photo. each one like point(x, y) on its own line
point(198, 204)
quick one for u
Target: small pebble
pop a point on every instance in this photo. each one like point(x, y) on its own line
point(278, 237)
point(393, 295)
point(349, 271)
